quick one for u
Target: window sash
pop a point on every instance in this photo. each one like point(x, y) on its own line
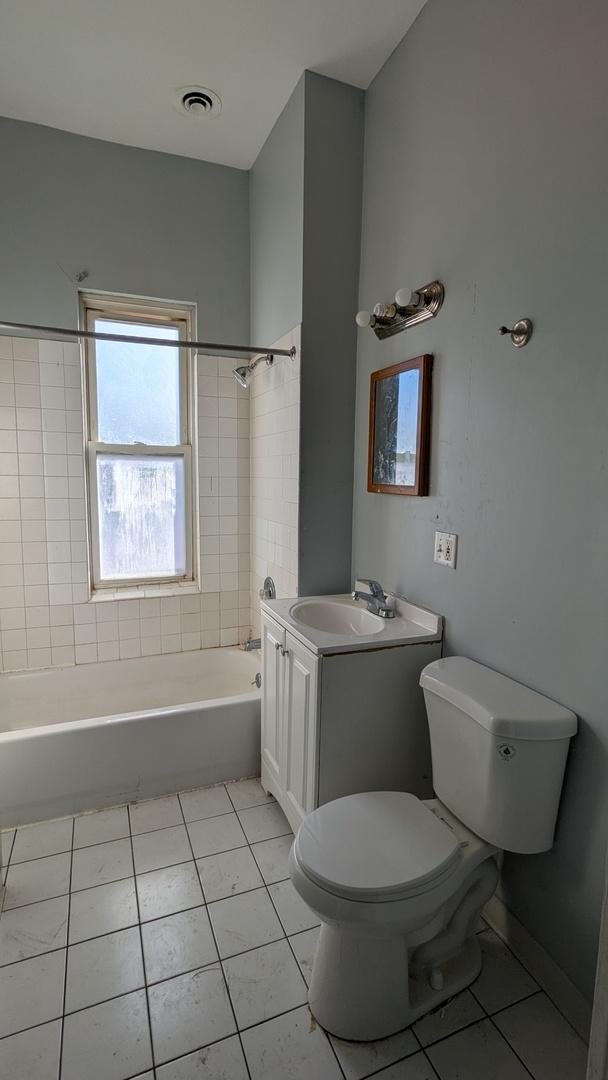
point(137, 450)
point(144, 313)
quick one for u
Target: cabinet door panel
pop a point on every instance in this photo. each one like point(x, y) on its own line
point(300, 747)
point(273, 644)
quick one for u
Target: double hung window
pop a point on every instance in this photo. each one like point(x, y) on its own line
point(139, 444)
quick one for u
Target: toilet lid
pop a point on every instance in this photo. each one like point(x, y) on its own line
point(379, 845)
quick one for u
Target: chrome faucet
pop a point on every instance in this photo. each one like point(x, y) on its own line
point(377, 600)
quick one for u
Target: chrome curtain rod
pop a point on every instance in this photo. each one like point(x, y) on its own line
point(209, 348)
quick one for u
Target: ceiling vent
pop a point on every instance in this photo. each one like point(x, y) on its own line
point(198, 101)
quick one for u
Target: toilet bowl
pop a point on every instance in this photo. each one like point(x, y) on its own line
point(386, 873)
point(397, 883)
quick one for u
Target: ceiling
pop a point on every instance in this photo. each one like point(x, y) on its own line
point(111, 69)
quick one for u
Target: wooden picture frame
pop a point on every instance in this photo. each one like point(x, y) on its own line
point(400, 416)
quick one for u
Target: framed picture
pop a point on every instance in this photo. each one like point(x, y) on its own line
point(400, 428)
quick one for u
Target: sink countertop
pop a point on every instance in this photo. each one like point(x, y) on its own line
point(411, 625)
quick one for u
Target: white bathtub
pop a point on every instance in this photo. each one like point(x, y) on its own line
point(85, 737)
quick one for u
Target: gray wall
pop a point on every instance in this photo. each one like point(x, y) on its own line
point(486, 165)
point(276, 205)
point(139, 221)
point(305, 199)
point(333, 165)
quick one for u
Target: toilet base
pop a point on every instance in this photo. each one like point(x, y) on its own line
point(361, 989)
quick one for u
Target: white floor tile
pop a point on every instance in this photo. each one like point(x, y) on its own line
point(264, 982)
point(416, 1067)
point(502, 980)
point(47, 838)
point(361, 1059)
point(229, 873)
point(31, 992)
point(34, 929)
point(221, 1061)
point(103, 968)
point(155, 814)
point(178, 943)
point(244, 922)
point(455, 1014)
point(544, 1040)
point(290, 1046)
point(477, 1053)
point(264, 822)
point(41, 879)
point(216, 834)
point(188, 1012)
point(246, 793)
point(304, 946)
point(294, 913)
point(101, 826)
point(108, 1042)
point(32, 1055)
point(164, 892)
point(204, 803)
point(102, 910)
point(272, 857)
point(153, 850)
point(101, 863)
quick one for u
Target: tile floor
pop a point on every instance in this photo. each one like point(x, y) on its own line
point(164, 941)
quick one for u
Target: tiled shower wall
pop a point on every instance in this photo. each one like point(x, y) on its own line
point(274, 449)
point(45, 617)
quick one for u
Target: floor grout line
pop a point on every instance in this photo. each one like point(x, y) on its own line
point(143, 955)
point(236, 1024)
point(65, 967)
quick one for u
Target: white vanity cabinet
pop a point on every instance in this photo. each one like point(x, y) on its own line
point(337, 722)
point(289, 720)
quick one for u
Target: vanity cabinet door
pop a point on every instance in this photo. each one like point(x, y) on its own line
point(299, 762)
point(273, 645)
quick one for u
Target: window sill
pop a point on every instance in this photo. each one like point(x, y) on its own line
point(144, 592)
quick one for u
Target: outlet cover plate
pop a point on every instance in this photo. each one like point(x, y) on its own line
point(445, 549)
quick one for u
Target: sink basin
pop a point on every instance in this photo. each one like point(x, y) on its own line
point(336, 617)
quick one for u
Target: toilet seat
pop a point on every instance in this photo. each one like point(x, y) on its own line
point(376, 846)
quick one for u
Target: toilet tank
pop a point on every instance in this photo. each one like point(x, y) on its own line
point(499, 752)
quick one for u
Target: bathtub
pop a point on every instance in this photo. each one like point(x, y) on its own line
point(85, 737)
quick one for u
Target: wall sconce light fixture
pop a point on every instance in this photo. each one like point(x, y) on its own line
point(410, 307)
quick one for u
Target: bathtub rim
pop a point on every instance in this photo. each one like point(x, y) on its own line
point(17, 734)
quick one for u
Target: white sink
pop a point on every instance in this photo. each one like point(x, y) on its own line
point(336, 616)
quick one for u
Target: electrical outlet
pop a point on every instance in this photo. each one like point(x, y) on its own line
point(445, 549)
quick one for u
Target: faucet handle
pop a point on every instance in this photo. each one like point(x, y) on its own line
point(374, 587)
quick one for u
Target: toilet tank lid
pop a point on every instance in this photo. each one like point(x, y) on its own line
point(501, 705)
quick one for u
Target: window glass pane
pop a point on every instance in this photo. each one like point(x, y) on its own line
point(142, 518)
point(137, 386)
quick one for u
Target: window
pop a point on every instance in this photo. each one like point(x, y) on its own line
point(139, 435)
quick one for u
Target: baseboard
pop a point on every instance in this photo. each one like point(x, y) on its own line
point(537, 961)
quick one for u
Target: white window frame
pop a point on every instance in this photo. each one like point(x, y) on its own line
point(96, 307)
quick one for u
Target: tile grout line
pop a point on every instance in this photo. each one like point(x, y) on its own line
point(511, 1048)
point(141, 945)
point(65, 966)
point(228, 994)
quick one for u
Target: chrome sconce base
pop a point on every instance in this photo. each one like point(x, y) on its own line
point(410, 308)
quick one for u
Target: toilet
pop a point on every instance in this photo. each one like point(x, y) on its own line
point(398, 883)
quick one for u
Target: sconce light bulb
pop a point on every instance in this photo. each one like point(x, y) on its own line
point(405, 297)
point(363, 318)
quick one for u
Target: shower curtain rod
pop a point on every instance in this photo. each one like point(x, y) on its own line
point(209, 348)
